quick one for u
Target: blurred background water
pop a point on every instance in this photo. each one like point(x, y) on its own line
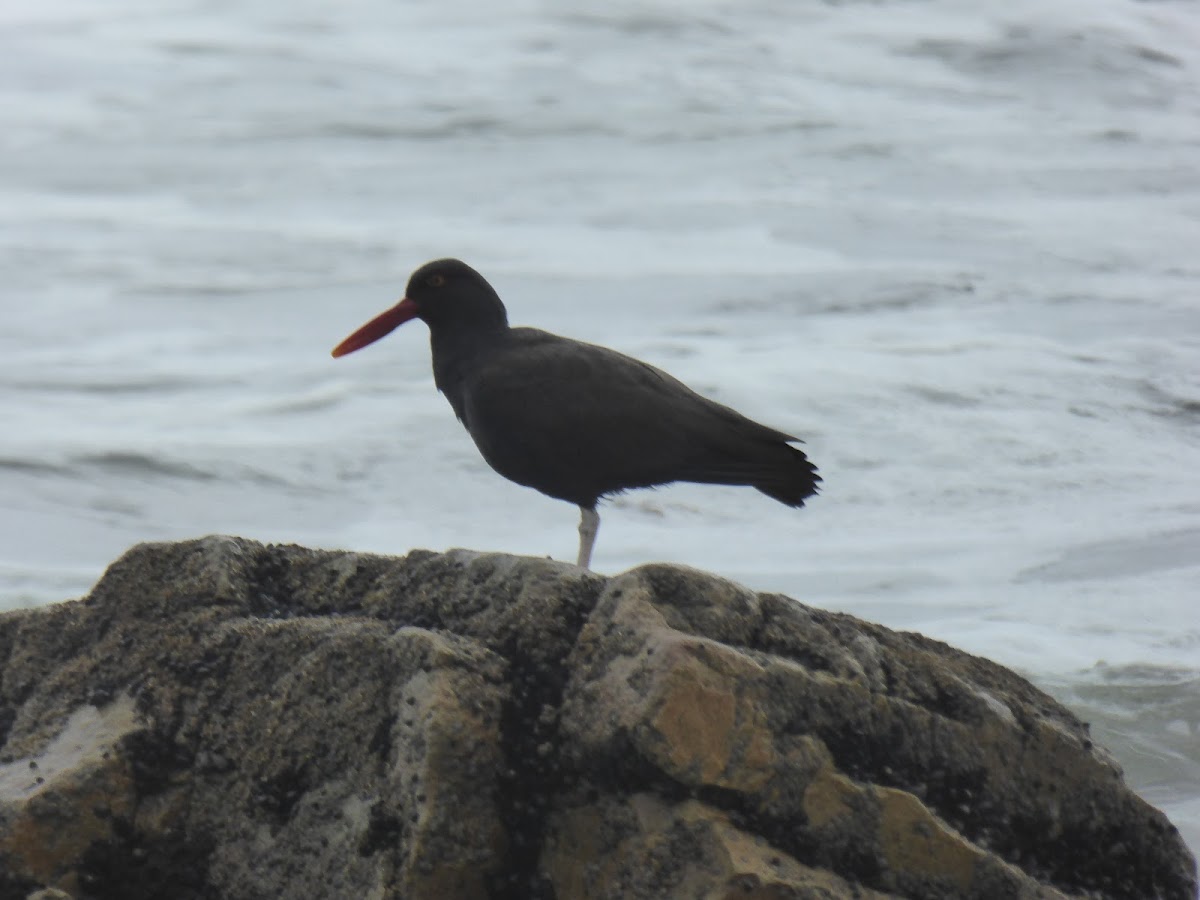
point(953, 245)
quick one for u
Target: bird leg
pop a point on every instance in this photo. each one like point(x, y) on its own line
point(589, 524)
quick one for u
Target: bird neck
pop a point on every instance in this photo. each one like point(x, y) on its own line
point(456, 351)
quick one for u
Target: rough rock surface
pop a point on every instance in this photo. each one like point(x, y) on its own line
point(221, 720)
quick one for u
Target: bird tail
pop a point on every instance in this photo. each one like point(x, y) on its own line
point(791, 481)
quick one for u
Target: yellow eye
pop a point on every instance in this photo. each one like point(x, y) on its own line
point(435, 280)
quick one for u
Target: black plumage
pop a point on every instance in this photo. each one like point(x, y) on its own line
point(574, 420)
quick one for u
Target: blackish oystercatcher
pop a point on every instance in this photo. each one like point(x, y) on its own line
point(573, 420)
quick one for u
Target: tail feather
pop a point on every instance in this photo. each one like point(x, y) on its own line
point(792, 482)
point(779, 470)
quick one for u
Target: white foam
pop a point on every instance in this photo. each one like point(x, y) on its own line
point(953, 250)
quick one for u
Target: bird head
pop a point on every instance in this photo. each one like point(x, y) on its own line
point(447, 294)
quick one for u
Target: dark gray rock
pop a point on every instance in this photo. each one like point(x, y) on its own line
point(223, 720)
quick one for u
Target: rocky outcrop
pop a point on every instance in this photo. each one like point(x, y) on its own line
point(220, 719)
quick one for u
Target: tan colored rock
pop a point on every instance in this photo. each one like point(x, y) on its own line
point(49, 894)
point(57, 804)
point(221, 720)
point(315, 756)
point(892, 760)
point(645, 848)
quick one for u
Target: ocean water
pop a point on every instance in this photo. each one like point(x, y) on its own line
point(954, 246)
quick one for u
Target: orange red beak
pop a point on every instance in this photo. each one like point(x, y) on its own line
point(380, 326)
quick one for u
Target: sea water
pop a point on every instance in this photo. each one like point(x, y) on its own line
point(953, 246)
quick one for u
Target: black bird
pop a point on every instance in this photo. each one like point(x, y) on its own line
point(574, 420)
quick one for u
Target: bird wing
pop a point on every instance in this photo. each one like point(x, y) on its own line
point(576, 420)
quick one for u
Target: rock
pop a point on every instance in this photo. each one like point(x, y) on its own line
point(642, 847)
point(220, 719)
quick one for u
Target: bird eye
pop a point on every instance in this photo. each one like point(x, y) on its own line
point(436, 280)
